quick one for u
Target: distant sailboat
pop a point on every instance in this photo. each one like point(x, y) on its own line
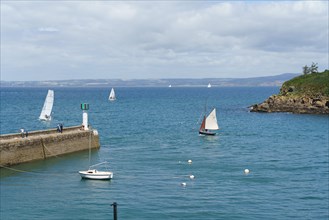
point(209, 124)
point(112, 95)
point(45, 114)
point(169, 86)
point(209, 85)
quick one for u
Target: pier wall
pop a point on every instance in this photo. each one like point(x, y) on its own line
point(15, 149)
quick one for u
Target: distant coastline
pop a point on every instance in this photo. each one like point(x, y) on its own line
point(276, 80)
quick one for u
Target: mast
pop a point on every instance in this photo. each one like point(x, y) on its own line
point(205, 107)
point(89, 149)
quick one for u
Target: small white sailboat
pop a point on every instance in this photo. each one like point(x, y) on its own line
point(169, 86)
point(112, 95)
point(94, 174)
point(209, 124)
point(209, 85)
point(45, 114)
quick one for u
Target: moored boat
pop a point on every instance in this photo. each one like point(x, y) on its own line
point(96, 175)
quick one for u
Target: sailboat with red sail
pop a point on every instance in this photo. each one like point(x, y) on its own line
point(209, 124)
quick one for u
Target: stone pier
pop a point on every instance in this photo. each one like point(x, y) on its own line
point(38, 145)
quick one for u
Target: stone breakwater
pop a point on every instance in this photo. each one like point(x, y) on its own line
point(38, 145)
point(296, 104)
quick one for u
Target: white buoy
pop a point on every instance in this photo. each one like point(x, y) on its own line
point(183, 184)
point(246, 171)
point(189, 161)
point(192, 177)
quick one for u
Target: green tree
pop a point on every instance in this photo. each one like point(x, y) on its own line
point(314, 68)
point(306, 70)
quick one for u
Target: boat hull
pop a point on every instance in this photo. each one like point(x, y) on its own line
point(207, 133)
point(96, 175)
point(45, 118)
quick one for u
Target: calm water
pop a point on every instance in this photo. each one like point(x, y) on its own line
point(148, 135)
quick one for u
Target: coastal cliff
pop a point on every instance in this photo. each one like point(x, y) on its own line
point(305, 94)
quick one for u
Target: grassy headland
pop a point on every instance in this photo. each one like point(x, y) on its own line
point(307, 94)
point(315, 84)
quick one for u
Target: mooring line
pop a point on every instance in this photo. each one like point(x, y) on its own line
point(51, 152)
point(32, 172)
point(44, 147)
point(17, 170)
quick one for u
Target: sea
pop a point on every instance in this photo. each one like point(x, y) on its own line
point(147, 137)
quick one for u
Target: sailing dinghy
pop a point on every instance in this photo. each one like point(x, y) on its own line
point(92, 173)
point(209, 124)
point(95, 174)
point(112, 95)
point(45, 114)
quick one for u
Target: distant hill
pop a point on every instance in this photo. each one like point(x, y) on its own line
point(215, 82)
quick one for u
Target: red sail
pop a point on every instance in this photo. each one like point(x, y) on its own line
point(203, 124)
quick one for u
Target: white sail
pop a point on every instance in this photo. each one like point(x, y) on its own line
point(209, 85)
point(112, 95)
point(47, 106)
point(211, 121)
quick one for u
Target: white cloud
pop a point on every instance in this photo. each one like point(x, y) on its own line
point(158, 40)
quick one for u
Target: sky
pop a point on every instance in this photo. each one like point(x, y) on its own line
point(61, 40)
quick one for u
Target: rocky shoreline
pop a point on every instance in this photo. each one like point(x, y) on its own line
point(295, 104)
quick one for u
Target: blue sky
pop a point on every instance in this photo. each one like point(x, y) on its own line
point(58, 40)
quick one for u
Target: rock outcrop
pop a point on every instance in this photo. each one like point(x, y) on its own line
point(294, 104)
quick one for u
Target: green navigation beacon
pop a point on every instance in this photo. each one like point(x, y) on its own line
point(84, 106)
